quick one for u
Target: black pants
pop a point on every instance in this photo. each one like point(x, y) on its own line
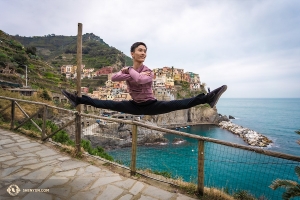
point(151, 107)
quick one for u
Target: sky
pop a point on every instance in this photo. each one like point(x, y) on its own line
point(251, 46)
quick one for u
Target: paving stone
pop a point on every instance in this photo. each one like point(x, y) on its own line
point(5, 132)
point(69, 173)
point(182, 197)
point(14, 161)
point(138, 186)
point(111, 192)
point(1, 147)
point(51, 158)
point(91, 169)
point(32, 144)
point(29, 155)
point(125, 184)
point(34, 149)
point(2, 137)
point(17, 175)
point(11, 149)
point(11, 145)
point(23, 140)
point(40, 164)
point(6, 141)
point(5, 158)
point(61, 191)
point(80, 183)
point(39, 175)
point(71, 164)
point(80, 172)
point(8, 171)
point(6, 154)
point(147, 198)
point(4, 166)
point(53, 181)
point(37, 195)
point(28, 162)
point(89, 194)
point(157, 193)
point(126, 197)
point(64, 158)
point(46, 152)
point(105, 180)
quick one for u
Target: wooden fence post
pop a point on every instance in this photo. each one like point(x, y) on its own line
point(44, 122)
point(78, 70)
point(133, 149)
point(200, 167)
point(12, 115)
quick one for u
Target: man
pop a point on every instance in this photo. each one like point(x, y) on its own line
point(139, 82)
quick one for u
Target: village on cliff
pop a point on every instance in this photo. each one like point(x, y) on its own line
point(163, 82)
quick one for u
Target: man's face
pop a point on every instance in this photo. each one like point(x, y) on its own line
point(139, 53)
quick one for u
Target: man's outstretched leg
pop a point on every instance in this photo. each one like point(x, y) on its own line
point(120, 106)
point(161, 107)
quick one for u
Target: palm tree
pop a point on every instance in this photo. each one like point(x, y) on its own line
point(292, 187)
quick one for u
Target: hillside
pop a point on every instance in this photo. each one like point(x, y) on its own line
point(44, 55)
point(41, 75)
point(61, 50)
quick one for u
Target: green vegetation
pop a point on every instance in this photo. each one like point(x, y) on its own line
point(243, 195)
point(40, 74)
point(99, 151)
point(63, 138)
point(184, 91)
point(61, 50)
point(292, 187)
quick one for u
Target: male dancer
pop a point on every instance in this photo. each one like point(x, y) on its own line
point(139, 82)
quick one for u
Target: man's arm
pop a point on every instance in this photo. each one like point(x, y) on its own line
point(140, 78)
point(120, 76)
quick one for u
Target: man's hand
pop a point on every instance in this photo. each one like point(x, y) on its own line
point(125, 70)
point(147, 73)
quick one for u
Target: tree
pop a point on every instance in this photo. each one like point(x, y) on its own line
point(31, 50)
point(45, 95)
point(292, 187)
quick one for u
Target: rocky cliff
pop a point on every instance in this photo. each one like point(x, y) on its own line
point(198, 115)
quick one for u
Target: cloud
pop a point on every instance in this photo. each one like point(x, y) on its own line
point(245, 44)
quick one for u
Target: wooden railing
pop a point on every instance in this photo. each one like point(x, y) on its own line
point(135, 124)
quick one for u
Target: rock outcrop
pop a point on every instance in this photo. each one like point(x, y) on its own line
point(198, 114)
point(251, 137)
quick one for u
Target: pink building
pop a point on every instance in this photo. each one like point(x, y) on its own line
point(105, 71)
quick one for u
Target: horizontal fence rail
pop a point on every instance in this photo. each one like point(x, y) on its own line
point(203, 161)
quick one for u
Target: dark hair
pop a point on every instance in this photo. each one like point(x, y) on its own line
point(135, 45)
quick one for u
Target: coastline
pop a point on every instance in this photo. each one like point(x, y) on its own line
point(249, 136)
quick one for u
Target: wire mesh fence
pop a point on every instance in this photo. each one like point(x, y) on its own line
point(168, 156)
point(236, 169)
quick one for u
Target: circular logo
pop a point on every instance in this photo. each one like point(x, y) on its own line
point(13, 190)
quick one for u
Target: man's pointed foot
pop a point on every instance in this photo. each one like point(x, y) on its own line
point(71, 97)
point(214, 96)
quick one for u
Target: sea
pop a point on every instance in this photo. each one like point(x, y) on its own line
point(231, 169)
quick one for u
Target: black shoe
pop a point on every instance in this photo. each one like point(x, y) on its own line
point(72, 98)
point(213, 96)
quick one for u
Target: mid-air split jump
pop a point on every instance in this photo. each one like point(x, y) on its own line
point(139, 83)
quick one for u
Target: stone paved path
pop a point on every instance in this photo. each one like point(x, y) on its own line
point(29, 164)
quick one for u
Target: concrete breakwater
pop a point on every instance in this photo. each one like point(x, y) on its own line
point(251, 137)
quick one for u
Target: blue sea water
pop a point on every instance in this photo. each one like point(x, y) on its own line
point(227, 167)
